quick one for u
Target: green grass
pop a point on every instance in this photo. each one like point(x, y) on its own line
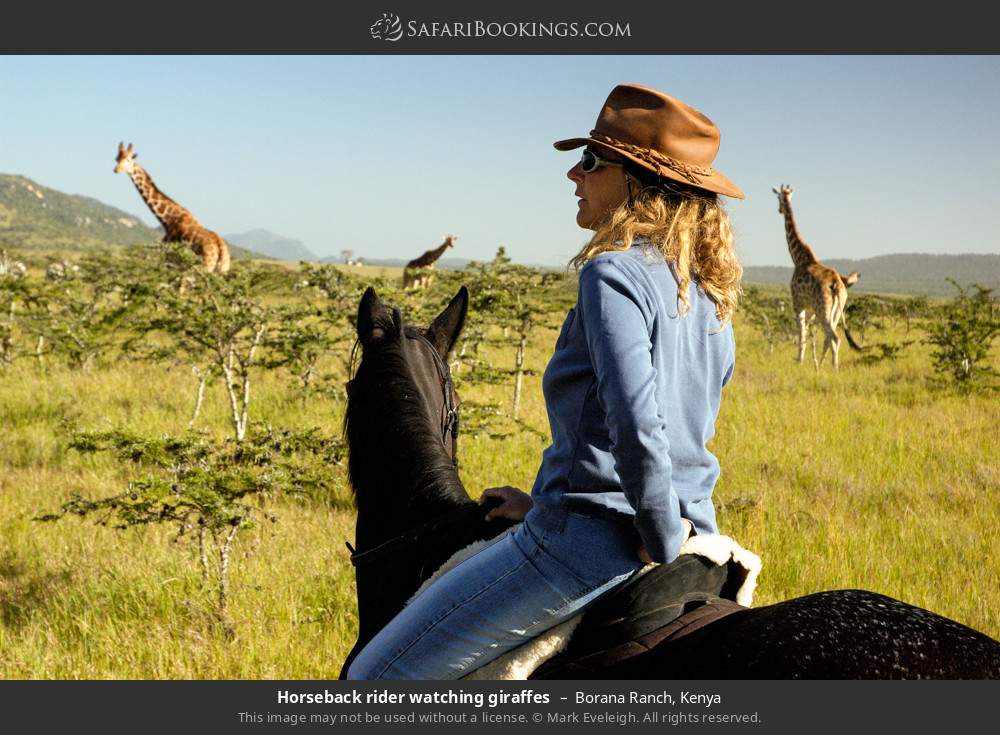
point(872, 477)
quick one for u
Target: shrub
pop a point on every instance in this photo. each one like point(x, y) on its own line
point(963, 336)
point(204, 487)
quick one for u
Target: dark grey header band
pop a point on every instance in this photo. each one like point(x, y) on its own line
point(511, 27)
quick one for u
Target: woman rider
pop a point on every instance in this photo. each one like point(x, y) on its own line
point(632, 392)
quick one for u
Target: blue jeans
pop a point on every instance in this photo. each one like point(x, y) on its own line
point(546, 570)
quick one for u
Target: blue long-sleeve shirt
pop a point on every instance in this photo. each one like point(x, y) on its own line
point(632, 392)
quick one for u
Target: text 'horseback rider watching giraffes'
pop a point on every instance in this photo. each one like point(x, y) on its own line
point(178, 223)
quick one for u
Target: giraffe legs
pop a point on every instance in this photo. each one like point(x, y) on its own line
point(209, 256)
point(223, 265)
point(831, 341)
point(803, 328)
point(830, 328)
point(416, 279)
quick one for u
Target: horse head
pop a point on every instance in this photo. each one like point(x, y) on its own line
point(401, 425)
point(405, 371)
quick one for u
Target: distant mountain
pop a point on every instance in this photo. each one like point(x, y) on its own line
point(912, 273)
point(271, 245)
point(34, 217)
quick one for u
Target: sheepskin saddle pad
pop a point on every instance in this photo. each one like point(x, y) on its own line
point(713, 576)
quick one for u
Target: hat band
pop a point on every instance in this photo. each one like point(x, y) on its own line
point(687, 170)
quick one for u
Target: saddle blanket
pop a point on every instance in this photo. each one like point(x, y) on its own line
point(743, 566)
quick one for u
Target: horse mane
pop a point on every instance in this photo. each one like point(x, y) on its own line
point(401, 472)
point(383, 401)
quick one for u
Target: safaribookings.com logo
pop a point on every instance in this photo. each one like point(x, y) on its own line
point(387, 28)
point(390, 28)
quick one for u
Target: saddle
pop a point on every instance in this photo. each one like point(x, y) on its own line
point(669, 601)
point(712, 578)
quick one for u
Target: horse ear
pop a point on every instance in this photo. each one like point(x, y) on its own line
point(443, 333)
point(373, 319)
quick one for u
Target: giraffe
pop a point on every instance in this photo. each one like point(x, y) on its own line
point(418, 272)
point(815, 288)
point(178, 223)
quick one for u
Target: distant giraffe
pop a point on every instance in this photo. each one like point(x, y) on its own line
point(815, 288)
point(418, 273)
point(178, 223)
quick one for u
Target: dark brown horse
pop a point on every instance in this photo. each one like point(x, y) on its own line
point(414, 513)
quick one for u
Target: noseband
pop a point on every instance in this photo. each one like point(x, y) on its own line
point(449, 429)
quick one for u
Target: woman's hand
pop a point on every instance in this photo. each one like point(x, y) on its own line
point(644, 556)
point(516, 503)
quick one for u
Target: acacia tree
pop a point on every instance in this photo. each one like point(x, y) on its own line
point(300, 338)
point(80, 315)
point(16, 292)
point(911, 308)
point(326, 327)
point(204, 488)
point(868, 310)
point(770, 315)
point(512, 297)
point(82, 311)
point(215, 323)
point(963, 336)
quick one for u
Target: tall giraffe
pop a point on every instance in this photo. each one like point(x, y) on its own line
point(178, 223)
point(418, 272)
point(815, 288)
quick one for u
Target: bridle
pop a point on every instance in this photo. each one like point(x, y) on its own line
point(449, 411)
point(449, 429)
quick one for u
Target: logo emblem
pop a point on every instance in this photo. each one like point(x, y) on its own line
point(387, 28)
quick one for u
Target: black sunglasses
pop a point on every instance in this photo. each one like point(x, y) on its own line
point(590, 162)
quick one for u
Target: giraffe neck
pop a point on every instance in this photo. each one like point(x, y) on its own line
point(439, 252)
point(801, 253)
point(165, 209)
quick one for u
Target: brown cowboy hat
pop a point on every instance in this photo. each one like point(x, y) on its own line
point(661, 134)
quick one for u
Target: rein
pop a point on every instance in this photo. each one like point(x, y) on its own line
point(409, 537)
point(449, 428)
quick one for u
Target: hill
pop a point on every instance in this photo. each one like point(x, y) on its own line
point(910, 273)
point(272, 245)
point(35, 217)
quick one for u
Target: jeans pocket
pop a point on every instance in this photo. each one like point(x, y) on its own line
point(593, 549)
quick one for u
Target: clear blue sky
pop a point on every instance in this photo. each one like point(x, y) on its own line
point(383, 155)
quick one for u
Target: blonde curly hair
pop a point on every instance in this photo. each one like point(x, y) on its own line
point(689, 226)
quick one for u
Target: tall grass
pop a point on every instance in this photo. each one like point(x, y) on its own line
point(872, 477)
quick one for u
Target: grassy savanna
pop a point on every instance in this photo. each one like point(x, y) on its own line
point(877, 476)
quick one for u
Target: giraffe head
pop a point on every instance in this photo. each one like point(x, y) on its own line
point(126, 157)
point(784, 193)
point(449, 240)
